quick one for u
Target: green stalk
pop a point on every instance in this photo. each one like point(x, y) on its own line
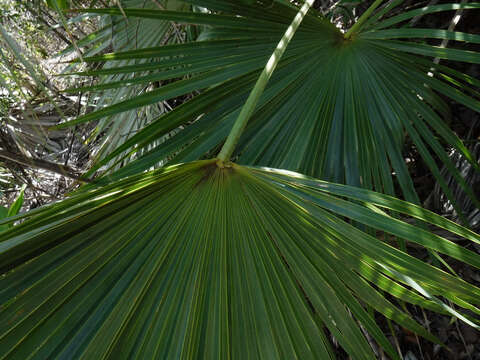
point(257, 91)
point(357, 26)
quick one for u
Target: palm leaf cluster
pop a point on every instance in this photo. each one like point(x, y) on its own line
point(215, 259)
point(337, 109)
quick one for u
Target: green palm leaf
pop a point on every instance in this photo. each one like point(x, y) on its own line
point(124, 34)
point(197, 261)
point(210, 259)
point(331, 102)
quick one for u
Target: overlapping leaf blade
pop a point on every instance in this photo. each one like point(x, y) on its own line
point(122, 34)
point(348, 103)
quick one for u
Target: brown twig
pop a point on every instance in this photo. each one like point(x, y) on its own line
point(70, 146)
point(41, 164)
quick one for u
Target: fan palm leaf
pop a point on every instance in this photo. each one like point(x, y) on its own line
point(197, 261)
point(336, 108)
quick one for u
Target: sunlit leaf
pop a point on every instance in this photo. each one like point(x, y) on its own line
point(336, 109)
point(198, 261)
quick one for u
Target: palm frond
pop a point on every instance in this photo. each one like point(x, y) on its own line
point(197, 261)
point(332, 101)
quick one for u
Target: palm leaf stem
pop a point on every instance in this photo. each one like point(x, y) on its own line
point(257, 91)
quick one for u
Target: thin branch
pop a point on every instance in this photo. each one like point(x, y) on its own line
point(40, 18)
point(70, 146)
point(41, 164)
